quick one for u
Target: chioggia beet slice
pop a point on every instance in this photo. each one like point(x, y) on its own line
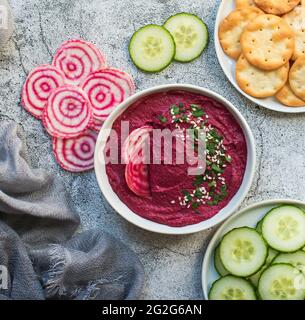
point(67, 113)
point(106, 89)
point(38, 86)
point(77, 59)
point(122, 76)
point(96, 125)
point(137, 178)
point(135, 142)
point(76, 154)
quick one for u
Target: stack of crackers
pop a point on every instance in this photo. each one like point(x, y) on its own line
point(267, 38)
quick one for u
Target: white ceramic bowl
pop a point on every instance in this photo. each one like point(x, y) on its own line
point(246, 217)
point(228, 65)
point(124, 211)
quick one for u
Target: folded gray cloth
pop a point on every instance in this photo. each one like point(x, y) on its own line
point(37, 222)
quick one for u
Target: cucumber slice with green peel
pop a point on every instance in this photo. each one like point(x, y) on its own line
point(296, 259)
point(218, 264)
point(271, 255)
point(190, 34)
point(258, 227)
point(284, 228)
point(232, 288)
point(281, 282)
point(152, 48)
point(243, 251)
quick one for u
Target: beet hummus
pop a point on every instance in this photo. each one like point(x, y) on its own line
point(175, 198)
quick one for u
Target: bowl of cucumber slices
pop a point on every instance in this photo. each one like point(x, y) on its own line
point(258, 254)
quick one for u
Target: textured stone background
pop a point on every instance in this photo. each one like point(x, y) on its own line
point(172, 264)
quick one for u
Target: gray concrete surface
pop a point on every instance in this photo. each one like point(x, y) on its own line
point(172, 264)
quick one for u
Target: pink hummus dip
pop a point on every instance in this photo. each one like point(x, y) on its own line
point(167, 182)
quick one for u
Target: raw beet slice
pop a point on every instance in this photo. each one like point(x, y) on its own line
point(135, 142)
point(134, 153)
point(106, 89)
point(96, 125)
point(124, 76)
point(137, 178)
point(68, 112)
point(38, 87)
point(76, 154)
point(77, 59)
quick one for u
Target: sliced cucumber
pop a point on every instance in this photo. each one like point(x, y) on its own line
point(281, 282)
point(258, 227)
point(218, 264)
point(152, 48)
point(271, 255)
point(243, 251)
point(297, 259)
point(284, 228)
point(232, 288)
point(190, 34)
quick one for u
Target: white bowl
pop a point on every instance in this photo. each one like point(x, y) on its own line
point(246, 217)
point(124, 211)
point(228, 65)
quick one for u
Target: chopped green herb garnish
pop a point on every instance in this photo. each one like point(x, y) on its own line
point(199, 179)
point(185, 192)
point(195, 205)
point(194, 106)
point(212, 184)
point(228, 158)
point(175, 110)
point(210, 147)
point(206, 190)
point(198, 113)
point(163, 119)
point(216, 168)
point(224, 191)
point(215, 134)
point(198, 194)
point(183, 118)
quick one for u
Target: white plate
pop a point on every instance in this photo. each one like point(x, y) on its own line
point(124, 211)
point(228, 65)
point(246, 217)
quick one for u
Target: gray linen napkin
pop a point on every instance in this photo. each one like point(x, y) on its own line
point(37, 223)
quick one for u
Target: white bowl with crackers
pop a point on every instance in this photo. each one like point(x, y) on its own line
point(260, 46)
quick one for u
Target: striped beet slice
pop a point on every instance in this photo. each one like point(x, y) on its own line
point(68, 112)
point(76, 154)
point(137, 178)
point(135, 142)
point(135, 153)
point(96, 125)
point(122, 75)
point(38, 87)
point(106, 89)
point(77, 59)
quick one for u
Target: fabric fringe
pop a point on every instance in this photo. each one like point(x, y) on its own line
point(55, 283)
point(92, 290)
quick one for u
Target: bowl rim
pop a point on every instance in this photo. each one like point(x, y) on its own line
point(212, 243)
point(132, 217)
point(219, 53)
